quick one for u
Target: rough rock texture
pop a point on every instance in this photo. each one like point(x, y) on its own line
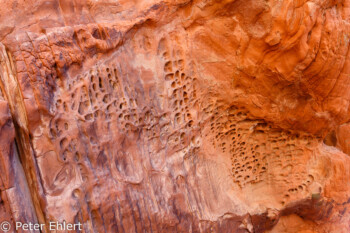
point(176, 116)
point(15, 198)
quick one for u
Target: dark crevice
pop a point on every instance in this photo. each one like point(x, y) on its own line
point(13, 95)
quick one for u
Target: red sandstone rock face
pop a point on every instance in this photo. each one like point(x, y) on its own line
point(343, 138)
point(180, 116)
point(15, 200)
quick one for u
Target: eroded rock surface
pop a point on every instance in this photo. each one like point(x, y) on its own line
point(15, 199)
point(178, 116)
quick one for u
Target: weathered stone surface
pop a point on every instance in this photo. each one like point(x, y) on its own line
point(182, 116)
point(343, 138)
point(15, 198)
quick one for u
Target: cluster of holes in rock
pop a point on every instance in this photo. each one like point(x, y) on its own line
point(232, 135)
point(181, 88)
point(182, 94)
point(255, 146)
point(99, 100)
point(101, 95)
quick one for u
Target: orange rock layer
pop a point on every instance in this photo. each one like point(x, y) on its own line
point(176, 116)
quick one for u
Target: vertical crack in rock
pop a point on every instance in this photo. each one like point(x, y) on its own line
point(13, 94)
point(182, 116)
